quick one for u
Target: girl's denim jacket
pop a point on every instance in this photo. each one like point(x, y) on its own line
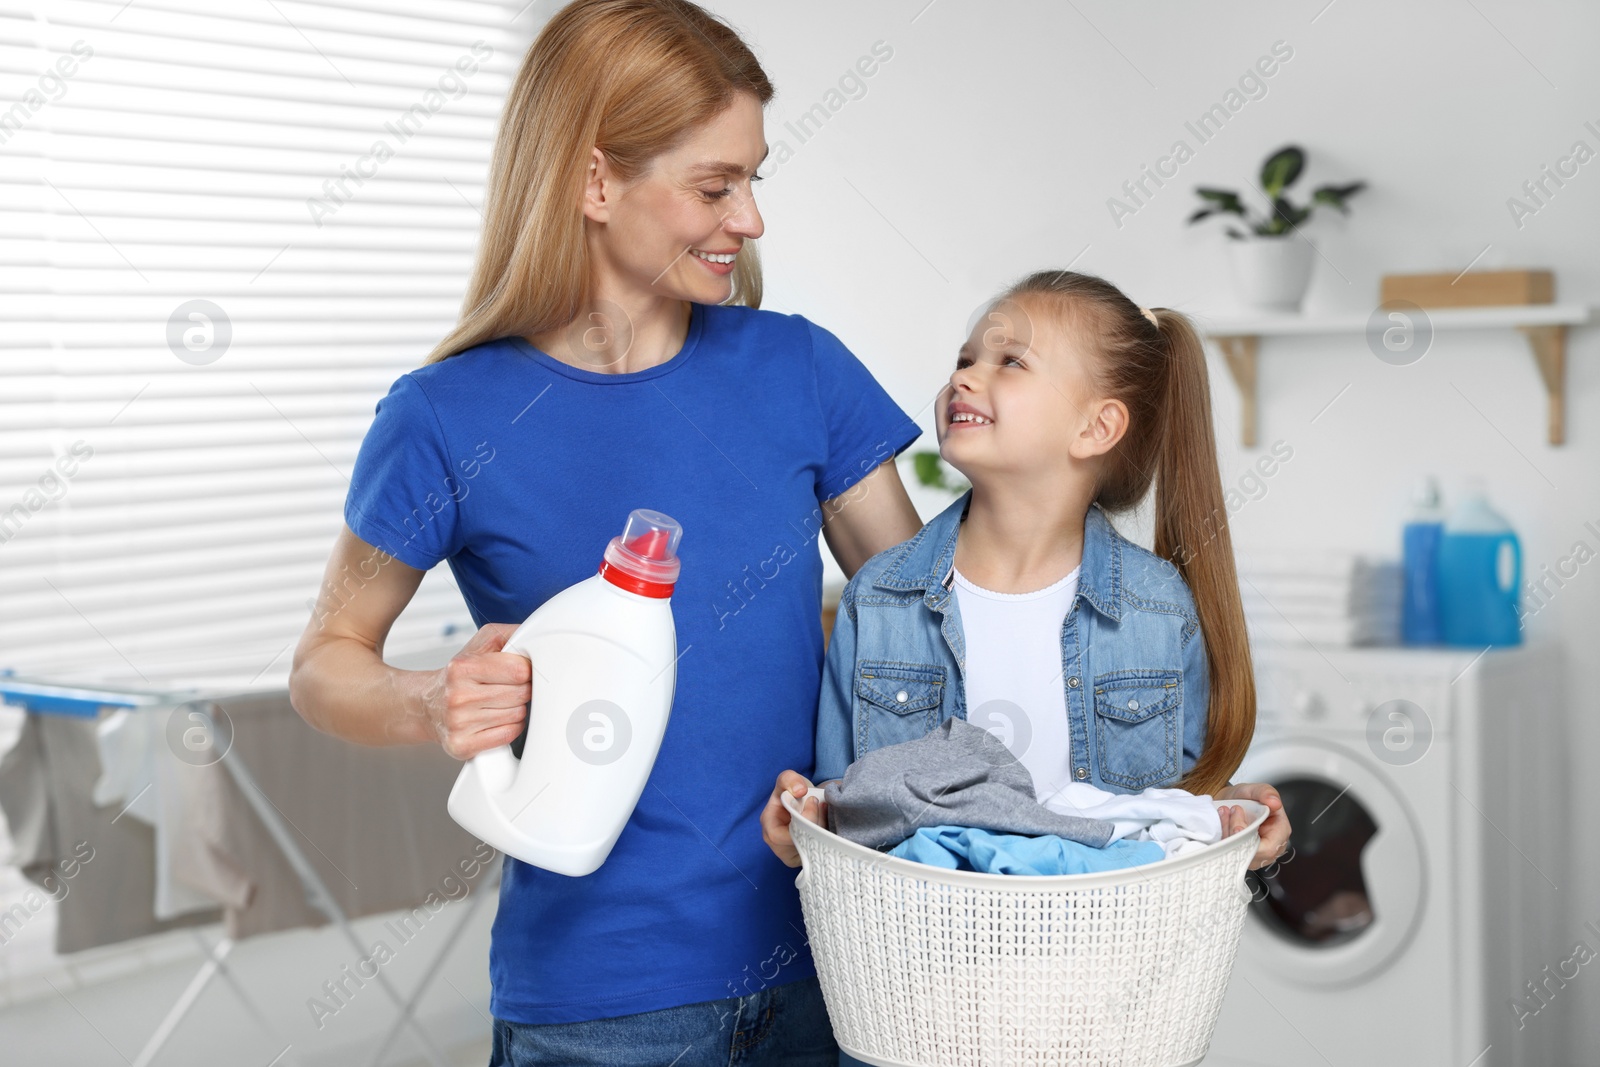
point(1132, 656)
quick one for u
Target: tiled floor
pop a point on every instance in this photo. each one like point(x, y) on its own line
point(473, 1055)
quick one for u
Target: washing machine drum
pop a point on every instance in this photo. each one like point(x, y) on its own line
point(1320, 897)
point(1348, 895)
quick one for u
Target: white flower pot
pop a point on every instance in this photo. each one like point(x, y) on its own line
point(1271, 273)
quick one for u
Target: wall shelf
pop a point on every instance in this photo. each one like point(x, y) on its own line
point(1544, 325)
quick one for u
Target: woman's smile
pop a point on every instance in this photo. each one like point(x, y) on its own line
point(720, 263)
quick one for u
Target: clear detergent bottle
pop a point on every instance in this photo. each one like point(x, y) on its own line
point(1480, 574)
point(604, 657)
point(1419, 613)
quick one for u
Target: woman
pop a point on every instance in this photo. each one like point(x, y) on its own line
point(610, 357)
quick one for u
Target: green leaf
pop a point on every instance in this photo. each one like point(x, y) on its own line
point(928, 469)
point(1281, 169)
point(1221, 196)
point(1336, 195)
point(1225, 199)
point(1323, 196)
point(1344, 192)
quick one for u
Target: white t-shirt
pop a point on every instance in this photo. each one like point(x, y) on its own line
point(1013, 673)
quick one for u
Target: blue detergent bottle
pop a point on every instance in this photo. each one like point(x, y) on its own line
point(1419, 611)
point(1480, 574)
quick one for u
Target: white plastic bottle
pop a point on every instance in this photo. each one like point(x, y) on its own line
point(604, 656)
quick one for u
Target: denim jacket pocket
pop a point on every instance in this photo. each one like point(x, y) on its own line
point(903, 688)
point(1136, 726)
point(899, 701)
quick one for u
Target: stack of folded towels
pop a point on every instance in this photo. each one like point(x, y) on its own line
point(1324, 597)
point(957, 798)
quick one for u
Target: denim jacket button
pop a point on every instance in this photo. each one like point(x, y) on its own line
point(901, 697)
point(1133, 705)
point(1083, 772)
point(1072, 683)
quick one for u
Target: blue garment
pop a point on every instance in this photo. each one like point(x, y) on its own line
point(518, 469)
point(786, 1024)
point(1134, 661)
point(967, 848)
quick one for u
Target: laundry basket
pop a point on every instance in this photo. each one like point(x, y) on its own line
point(926, 967)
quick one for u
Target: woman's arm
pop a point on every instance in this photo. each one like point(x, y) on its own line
point(340, 684)
point(870, 516)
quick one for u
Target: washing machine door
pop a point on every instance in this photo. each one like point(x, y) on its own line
point(1348, 896)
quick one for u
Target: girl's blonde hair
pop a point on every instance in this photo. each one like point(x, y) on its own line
point(630, 77)
point(1159, 371)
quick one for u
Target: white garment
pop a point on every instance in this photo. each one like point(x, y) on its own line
point(1013, 672)
point(138, 770)
point(1176, 819)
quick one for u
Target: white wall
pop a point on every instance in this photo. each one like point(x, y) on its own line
point(988, 145)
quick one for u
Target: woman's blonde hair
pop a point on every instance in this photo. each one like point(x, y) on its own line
point(1159, 371)
point(630, 77)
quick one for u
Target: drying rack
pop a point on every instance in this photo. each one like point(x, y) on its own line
point(41, 697)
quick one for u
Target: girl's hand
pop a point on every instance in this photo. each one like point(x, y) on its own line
point(1274, 830)
point(775, 817)
point(477, 700)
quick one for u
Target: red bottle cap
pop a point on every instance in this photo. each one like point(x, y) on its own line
point(644, 559)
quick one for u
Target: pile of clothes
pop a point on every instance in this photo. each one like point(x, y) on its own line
point(1292, 596)
point(957, 798)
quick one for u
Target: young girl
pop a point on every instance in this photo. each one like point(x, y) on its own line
point(1021, 609)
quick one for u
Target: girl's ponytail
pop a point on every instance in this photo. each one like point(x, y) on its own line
point(1191, 530)
point(1158, 369)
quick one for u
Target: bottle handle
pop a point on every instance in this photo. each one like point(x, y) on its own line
point(497, 767)
point(1516, 567)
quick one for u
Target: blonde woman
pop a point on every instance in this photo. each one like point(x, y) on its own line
point(610, 356)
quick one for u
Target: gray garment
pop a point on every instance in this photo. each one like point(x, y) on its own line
point(371, 822)
point(958, 775)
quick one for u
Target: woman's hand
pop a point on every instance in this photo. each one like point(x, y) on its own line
point(1274, 830)
point(775, 817)
point(477, 700)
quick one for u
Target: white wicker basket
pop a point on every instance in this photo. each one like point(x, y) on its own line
point(926, 967)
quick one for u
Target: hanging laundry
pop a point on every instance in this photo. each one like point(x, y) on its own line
point(140, 775)
point(957, 775)
point(964, 848)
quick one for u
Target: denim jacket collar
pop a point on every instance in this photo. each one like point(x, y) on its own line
point(929, 557)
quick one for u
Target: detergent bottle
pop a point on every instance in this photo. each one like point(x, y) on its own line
point(1419, 614)
point(604, 658)
point(1480, 574)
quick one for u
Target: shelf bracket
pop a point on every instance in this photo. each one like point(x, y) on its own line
point(1240, 352)
point(1549, 345)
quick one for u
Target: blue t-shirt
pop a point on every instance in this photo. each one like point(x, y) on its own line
point(518, 469)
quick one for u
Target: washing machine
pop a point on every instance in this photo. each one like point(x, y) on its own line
point(1418, 918)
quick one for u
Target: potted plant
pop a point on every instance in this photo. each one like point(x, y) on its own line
point(1272, 262)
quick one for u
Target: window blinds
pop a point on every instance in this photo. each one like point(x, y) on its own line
point(224, 231)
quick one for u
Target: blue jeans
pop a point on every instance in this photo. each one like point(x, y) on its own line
point(785, 1024)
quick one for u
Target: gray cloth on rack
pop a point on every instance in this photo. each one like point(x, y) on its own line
point(99, 867)
point(958, 775)
point(371, 822)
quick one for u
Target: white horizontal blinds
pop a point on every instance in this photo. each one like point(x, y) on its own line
point(307, 169)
